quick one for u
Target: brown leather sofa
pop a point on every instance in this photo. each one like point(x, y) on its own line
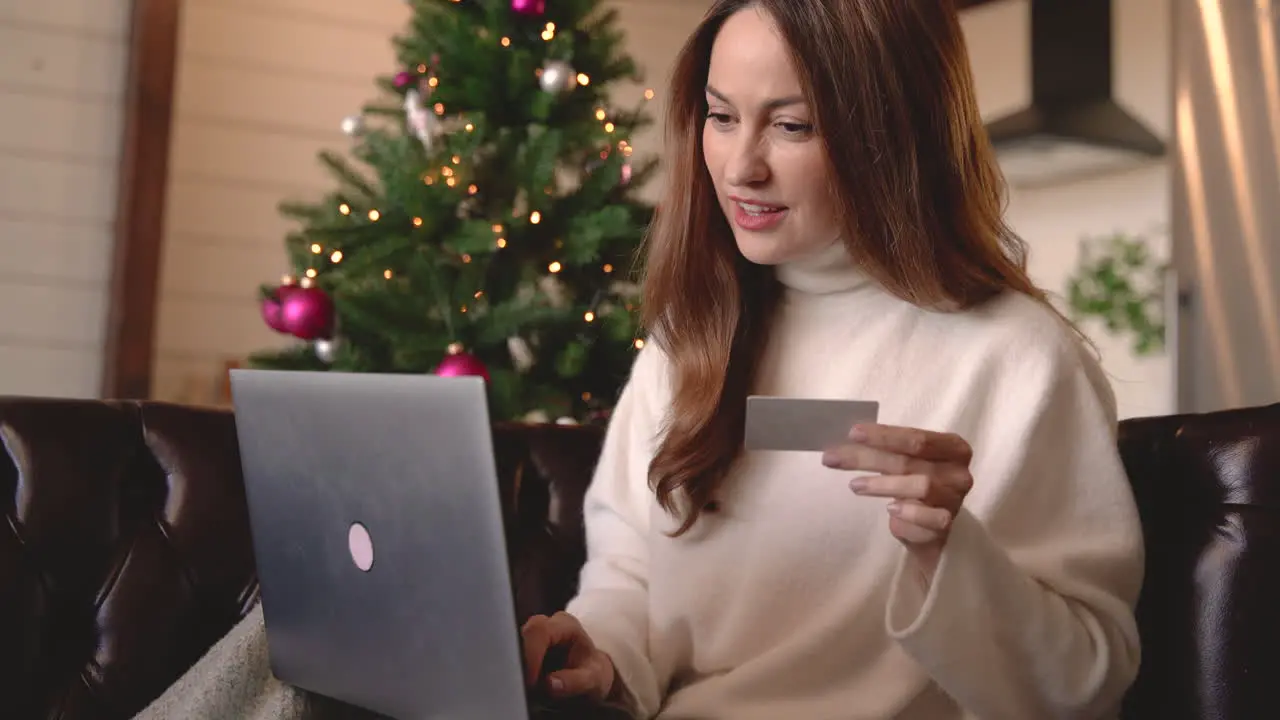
point(125, 551)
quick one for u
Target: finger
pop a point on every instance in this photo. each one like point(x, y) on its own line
point(914, 442)
point(576, 681)
point(535, 641)
point(905, 487)
point(857, 457)
point(933, 519)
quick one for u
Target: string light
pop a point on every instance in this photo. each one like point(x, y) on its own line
point(433, 81)
point(422, 68)
point(287, 280)
point(306, 282)
point(439, 108)
point(589, 316)
point(506, 42)
point(316, 249)
point(457, 159)
point(639, 343)
point(336, 257)
point(466, 259)
point(584, 79)
point(428, 180)
point(535, 218)
point(374, 215)
point(471, 127)
point(345, 209)
point(387, 274)
point(464, 309)
point(311, 272)
point(446, 171)
point(472, 189)
point(608, 268)
point(601, 114)
point(451, 182)
point(554, 267)
point(586, 397)
point(417, 222)
point(497, 227)
point(609, 127)
point(502, 242)
point(479, 294)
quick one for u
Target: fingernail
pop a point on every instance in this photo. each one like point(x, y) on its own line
point(895, 508)
point(857, 434)
point(557, 684)
point(858, 484)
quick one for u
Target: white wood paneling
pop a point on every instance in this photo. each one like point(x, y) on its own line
point(240, 155)
point(62, 70)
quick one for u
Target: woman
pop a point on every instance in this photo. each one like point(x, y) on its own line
point(832, 228)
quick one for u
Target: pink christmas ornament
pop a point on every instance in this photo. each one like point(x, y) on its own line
point(307, 313)
point(272, 312)
point(462, 364)
point(403, 78)
point(529, 7)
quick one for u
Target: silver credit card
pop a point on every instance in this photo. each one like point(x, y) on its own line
point(804, 424)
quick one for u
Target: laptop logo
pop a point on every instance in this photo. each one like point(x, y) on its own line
point(361, 546)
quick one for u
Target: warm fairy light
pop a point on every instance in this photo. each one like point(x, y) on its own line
point(479, 294)
point(422, 68)
point(311, 272)
point(471, 127)
point(451, 182)
point(446, 171)
point(374, 215)
point(601, 114)
point(466, 259)
point(306, 282)
point(554, 267)
point(584, 79)
point(506, 42)
point(502, 242)
point(626, 151)
point(316, 249)
point(608, 268)
point(464, 309)
point(287, 280)
point(345, 209)
point(589, 316)
point(439, 108)
point(586, 397)
point(497, 228)
point(336, 256)
point(428, 180)
point(609, 127)
point(386, 274)
point(648, 94)
point(548, 35)
point(433, 82)
point(472, 189)
point(604, 154)
point(457, 159)
point(551, 26)
point(535, 217)
point(639, 343)
point(417, 222)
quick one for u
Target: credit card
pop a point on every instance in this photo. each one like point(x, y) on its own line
point(804, 424)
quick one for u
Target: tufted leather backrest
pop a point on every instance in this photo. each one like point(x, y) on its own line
point(125, 553)
point(1208, 488)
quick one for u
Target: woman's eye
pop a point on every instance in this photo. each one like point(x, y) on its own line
point(795, 128)
point(719, 118)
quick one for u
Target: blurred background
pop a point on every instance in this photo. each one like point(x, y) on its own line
point(1155, 221)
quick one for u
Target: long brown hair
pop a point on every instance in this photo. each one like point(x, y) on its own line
point(917, 187)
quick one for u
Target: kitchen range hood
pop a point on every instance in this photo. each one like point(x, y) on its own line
point(1073, 127)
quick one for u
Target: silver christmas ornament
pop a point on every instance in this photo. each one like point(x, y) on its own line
point(557, 76)
point(326, 350)
point(353, 125)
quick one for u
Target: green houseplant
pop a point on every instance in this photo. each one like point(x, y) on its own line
point(1118, 281)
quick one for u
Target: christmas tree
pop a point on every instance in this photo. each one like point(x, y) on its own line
point(485, 223)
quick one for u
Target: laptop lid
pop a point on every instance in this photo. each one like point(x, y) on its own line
point(377, 530)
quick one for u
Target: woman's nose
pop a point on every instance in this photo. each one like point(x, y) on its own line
point(748, 165)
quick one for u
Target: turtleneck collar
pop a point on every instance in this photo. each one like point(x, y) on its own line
point(825, 271)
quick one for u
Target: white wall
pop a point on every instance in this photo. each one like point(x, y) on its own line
point(262, 86)
point(1054, 220)
point(62, 77)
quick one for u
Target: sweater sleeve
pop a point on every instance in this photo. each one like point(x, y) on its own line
point(1030, 612)
point(612, 601)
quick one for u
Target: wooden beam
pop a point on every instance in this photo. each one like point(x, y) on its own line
point(142, 184)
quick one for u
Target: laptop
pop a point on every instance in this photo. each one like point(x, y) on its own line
point(377, 530)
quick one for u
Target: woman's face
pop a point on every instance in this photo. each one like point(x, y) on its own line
point(768, 167)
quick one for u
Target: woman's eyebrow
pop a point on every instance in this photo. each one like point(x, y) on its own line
point(773, 104)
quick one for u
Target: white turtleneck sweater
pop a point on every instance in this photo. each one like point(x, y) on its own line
point(795, 601)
